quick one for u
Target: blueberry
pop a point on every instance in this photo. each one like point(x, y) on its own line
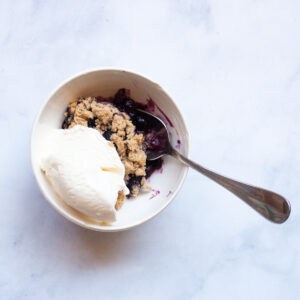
point(107, 134)
point(121, 94)
point(120, 105)
point(92, 123)
point(152, 166)
point(128, 104)
point(120, 98)
point(67, 120)
point(157, 141)
point(154, 143)
point(140, 122)
point(134, 181)
point(149, 170)
point(131, 114)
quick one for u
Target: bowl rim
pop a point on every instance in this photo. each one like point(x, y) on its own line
point(61, 211)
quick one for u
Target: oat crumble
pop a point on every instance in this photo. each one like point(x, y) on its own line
point(117, 127)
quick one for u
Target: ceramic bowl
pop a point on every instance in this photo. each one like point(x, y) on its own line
point(105, 82)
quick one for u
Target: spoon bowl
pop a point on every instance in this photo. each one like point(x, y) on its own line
point(157, 142)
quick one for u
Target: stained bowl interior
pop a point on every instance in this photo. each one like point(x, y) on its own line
point(165, 183)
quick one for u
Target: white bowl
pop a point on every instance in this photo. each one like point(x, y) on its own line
point(105, 83)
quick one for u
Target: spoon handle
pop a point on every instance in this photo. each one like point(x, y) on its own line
point(270, 205)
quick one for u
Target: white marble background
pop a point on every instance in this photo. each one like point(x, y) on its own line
point(234, 69)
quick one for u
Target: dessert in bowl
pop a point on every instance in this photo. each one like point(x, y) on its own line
point(95, 117)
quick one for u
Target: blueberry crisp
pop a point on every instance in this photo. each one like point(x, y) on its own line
point(119, 120)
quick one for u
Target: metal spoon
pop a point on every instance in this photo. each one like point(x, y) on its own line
point(269, 204)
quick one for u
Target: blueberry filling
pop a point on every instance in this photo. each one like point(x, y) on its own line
point(144, 124)
point(156, 141)
point(92, 123)
point(134, 182)
point(152, 166)
point(107, 134)
point(68, 119)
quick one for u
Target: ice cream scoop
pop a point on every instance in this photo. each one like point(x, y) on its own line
point(85, 170)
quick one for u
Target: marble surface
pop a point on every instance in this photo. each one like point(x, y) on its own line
point(233, 67)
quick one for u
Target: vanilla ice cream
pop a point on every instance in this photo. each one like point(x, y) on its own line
point(85, 170)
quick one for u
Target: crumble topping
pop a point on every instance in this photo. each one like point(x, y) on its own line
point(117, 127)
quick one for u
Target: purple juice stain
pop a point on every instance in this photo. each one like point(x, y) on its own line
point(169, 193)
point(151, 107)
point(154, 194)
point(178, 144)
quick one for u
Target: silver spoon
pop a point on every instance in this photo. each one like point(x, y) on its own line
point(269, 204)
